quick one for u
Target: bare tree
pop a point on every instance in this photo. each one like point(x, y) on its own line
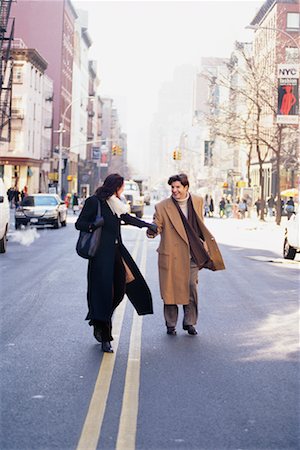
point(248, 116)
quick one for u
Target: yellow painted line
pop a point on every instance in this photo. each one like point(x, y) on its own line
point(128, 419)
point(92, 426)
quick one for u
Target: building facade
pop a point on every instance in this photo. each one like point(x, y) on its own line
point(52, 35)
point(27, 159)
point(276, 44)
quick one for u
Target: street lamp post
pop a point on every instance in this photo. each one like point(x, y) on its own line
point(259, 27)
point(59, 184)
point(61, 130)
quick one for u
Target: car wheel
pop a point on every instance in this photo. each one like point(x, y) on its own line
point(288, 251)
point(57, 223)
point(64, 223)
point(17, 225)
point(139, 214)
point(3, 242)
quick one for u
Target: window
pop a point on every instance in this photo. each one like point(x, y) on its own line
point(291, 54)
point(208, 153)
point(32, 200)
point(17, 75)
point(293, 20)
point(36, 80)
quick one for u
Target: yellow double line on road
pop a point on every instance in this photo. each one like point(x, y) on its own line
point(128, 419)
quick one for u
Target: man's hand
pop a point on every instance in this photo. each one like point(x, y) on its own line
point(152, 230)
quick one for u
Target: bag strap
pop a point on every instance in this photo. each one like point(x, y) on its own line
point(99, 208)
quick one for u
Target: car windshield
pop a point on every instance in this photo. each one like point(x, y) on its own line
point(41, 200)
point(130, 187)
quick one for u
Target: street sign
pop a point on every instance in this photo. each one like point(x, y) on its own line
point(96, 153)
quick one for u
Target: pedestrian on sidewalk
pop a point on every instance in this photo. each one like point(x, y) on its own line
point(112, 272)
point(186, 246)
point(258, 206)
point(290, 207)
point(271, 205)
point(75, 203)
point(11, 195)
point(242, 206)
point(222, 207)
point(16, 198)
point(211, 207)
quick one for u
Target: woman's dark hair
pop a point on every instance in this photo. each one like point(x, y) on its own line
point(111, 184)
point(181, 177)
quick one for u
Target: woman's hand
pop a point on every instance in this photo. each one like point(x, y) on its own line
point(152, 230)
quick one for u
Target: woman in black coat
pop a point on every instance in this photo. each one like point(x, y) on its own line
point(112, 273)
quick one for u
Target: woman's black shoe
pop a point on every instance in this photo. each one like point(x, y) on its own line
point(97, 334)
point(106, 347)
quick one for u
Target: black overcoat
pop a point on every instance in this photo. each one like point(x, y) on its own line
point(102, 281)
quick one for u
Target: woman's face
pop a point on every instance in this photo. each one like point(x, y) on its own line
point(120, 190)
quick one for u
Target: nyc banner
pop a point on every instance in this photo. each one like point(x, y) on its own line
point(288, 94)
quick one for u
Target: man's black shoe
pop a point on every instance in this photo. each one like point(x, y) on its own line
point(106, 347)
point(171, 331)
point(190, 329)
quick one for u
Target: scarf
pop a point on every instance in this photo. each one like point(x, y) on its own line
point(116, 205)
point(195, 236)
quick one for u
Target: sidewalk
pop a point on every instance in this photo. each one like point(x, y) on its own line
point(249, 233)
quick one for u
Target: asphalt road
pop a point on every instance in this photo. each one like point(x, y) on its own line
point(234, 386)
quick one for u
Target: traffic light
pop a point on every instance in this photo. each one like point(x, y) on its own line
point(117, 150)
point(177, 155)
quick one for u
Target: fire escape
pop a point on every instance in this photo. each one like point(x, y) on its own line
point(6, 69)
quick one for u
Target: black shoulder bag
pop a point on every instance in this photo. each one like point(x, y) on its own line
point(89, 241)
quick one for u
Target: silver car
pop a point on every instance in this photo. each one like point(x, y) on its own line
point(4, 217)
point(41, 209)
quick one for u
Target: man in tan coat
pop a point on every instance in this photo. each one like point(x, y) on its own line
point(186, 246)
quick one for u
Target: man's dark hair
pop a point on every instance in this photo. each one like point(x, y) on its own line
point(181, 177)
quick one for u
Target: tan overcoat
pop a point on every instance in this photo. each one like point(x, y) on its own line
point(174, 252)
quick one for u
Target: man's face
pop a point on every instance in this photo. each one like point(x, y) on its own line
point(179, 191)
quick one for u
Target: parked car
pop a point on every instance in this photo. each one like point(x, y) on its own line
point(41, 209)
point(4, 217)
point(291, 238)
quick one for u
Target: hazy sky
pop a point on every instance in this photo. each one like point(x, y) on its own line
point(138, 44)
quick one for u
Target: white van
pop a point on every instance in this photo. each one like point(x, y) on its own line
point(134, 198)
point(4, 217)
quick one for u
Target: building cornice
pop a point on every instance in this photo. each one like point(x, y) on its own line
point(70, 4)
point(20, 161)
point(30, 55)
point(266, 8)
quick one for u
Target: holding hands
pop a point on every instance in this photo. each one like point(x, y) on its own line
point(152, 230)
